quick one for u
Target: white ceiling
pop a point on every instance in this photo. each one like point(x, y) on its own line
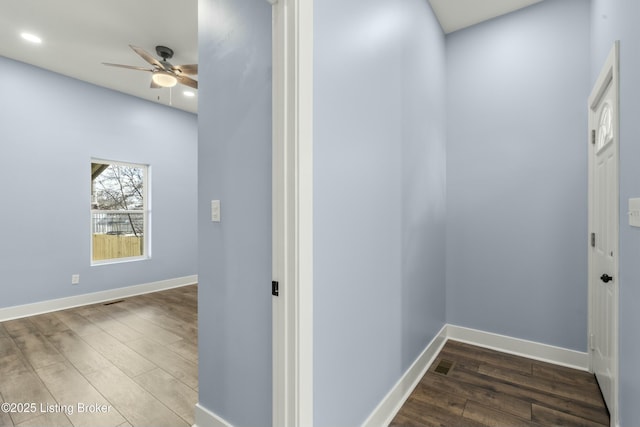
point(457, 14)
point(78, 35)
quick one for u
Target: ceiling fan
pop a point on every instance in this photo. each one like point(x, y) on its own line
point(163, 73)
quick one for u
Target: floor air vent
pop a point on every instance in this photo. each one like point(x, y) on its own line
point(113, 302)
point(443, 367)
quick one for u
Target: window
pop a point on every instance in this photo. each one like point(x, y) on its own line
point(119, 212)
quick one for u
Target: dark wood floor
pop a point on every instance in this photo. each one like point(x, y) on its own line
point(136, 359)
point(487, 388)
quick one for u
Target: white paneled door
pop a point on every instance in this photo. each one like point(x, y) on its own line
point(604, 224)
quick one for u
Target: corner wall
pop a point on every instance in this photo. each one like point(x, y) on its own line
point(517, 174)
point(379, 199)
point(51, 127)
point(234, 166)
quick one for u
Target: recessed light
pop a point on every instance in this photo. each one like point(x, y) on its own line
point(31, 38)
point(189, 94)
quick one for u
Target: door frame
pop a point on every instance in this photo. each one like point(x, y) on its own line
point(292, 212)
point(609, 75)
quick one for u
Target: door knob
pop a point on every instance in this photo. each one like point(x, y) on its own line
point(606, 278)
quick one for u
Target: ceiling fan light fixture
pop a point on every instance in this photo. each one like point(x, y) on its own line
point(164, 79)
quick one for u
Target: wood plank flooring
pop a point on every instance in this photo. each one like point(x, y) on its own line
point(135, 361)
point(486, 388)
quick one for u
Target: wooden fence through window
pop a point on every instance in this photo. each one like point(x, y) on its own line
point(108, 246)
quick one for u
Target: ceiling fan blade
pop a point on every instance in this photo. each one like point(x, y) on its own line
point(131, 67)
point(191, 69)
point(188, 81)
point(147, 57)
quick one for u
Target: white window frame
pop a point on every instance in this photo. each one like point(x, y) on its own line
point(146, 211)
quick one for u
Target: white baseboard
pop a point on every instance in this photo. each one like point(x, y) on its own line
point(206, 418)
point(393, 401)
point(16, 312)
point(519, 347)
point(387, 409)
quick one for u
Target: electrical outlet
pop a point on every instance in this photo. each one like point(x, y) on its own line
point(75, 279)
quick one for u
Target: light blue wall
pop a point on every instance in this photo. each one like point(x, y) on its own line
point(234, 166)
point(379, 199)
point(515, 177)
point(517, 174)
point(51, 128)
point(619, 21)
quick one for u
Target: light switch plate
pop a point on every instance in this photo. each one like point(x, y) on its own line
point(215, 210)
point(634, 212)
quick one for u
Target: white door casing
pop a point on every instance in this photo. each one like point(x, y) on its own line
point(292, 212)
point(604, 226)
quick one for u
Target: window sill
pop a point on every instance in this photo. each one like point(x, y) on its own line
point(119, 260)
